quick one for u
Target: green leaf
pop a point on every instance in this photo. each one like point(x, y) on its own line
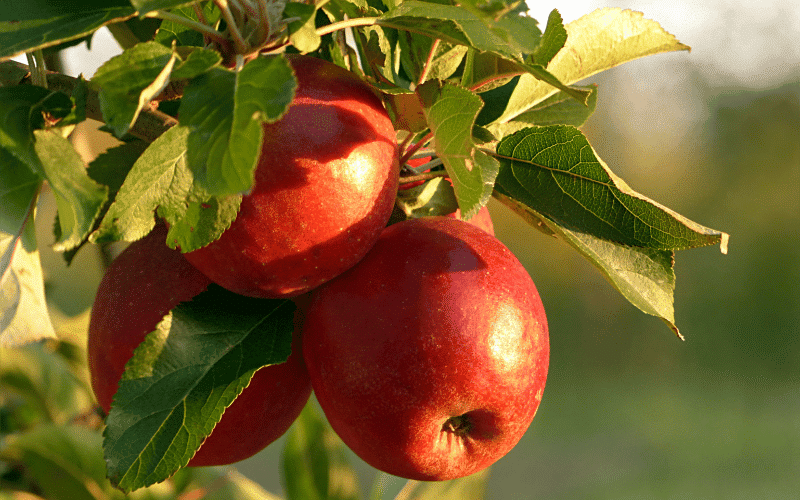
point(145, 6)
point(596, 42)
point(553, 40)
point(302, 32)
point(27, 26)
point(64, 461)
point(558, 109)
point(24, 316)
point(554, 171)
point(130, 80)
point(315, 464)
point(25, 109)
point(160, 179)
point(450, 112)
point(11, 73)
point(79, 199)
point(224, 112)
point(644, 276)
point(183, 376)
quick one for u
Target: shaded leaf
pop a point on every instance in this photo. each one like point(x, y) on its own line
point(554, 171)
point(182, 377)
point(450, 112)
point(434, 197)
point(182, 35)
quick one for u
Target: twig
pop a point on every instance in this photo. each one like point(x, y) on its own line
point(347, 23)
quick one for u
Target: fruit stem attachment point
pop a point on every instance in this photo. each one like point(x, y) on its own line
point(459, 425)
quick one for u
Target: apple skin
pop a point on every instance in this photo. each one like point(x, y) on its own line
point(437, 367)
point(324, 189)
point(139, 288)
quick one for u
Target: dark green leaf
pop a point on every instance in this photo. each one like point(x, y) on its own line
point(25, 109)
point(644, 276)
point(183, 376)
point(315, 465)
point(224, 112)
point(18, 189)
point(554, 171)
point(79, 199)
point(450, 112)
point(133, 31)
point(11, 73)
point(26, 26)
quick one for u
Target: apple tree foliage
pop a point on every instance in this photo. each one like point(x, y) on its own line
point(478, 84)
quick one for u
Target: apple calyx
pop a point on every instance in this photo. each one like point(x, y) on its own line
point(460, 425)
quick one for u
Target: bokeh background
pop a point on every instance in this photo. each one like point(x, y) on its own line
point(629, 410)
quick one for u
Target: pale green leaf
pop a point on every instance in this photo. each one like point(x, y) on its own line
point(595, 42)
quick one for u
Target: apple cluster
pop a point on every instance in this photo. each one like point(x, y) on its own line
point(425, 342)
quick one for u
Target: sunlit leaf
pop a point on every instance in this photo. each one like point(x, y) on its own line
point(160, 179)
point(595, 42)
point(79, 199)
point(554, 171)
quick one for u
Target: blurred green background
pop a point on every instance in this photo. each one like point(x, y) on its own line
point(629, 410)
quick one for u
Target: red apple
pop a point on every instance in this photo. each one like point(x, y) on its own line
point(429, 357)
point(324, 188)
point(139, 288)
